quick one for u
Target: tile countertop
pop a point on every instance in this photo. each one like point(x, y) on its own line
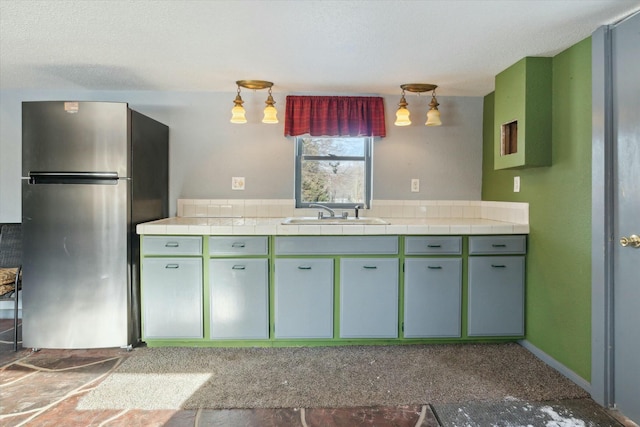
point(274, 226)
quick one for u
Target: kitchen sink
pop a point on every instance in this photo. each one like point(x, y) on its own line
point(310, 220)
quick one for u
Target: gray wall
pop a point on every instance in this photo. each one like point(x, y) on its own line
point(206, 150)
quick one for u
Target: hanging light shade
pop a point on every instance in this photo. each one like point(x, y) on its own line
point(270, 112)
point(238, 112)
point(402, 115)
point(433, 115)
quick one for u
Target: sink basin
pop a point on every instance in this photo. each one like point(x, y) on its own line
point(309, 220)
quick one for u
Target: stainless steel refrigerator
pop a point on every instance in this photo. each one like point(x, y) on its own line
point(91, 172)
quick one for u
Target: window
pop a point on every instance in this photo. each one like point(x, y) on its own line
point(333, 171)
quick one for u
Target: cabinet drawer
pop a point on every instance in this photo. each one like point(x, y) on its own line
point(172, 245)
point(426, 245)
point(497, 245)
point(238, 245)
point(336, 245)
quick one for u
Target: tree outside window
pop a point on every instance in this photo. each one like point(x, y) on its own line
point(333, 171)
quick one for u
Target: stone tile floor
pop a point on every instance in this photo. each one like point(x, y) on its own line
point(43, 388)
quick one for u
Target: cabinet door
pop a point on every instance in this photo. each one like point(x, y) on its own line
point(304, 298)
point(239, 298)
point(432, 297)
point(172, 297)
point(368, 298)
point(496, 296)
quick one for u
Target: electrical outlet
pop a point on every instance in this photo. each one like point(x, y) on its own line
point(516, 184)
point(237, 183)
point(415, 185)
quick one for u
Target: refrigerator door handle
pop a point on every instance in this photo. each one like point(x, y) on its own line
point(109, 178)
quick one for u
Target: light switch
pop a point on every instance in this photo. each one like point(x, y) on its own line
point(415, 185)
point(237, 183)
point(516, 184)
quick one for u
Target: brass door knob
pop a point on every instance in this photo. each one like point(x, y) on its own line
point(633, 241)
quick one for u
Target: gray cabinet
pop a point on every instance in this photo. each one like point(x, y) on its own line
point(369, 297)
point(304, 286)
point(332, 287)
point(303, 298)
point(432, 297)
point(172, 297)
point(496, 286)
point(239, 287)
point(239, 298)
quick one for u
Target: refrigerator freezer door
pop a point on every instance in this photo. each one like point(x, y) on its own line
point(76, 283)
point(94, 138)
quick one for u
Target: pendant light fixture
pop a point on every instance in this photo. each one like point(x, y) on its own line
point(402, 115)
point(270, 112)
point(433, 115)
point(238, 112)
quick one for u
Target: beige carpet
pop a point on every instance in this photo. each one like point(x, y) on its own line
point(308, 377)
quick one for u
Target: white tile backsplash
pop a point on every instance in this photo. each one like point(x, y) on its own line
point(511, 212)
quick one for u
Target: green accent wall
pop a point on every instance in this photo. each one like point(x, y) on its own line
point(558, 297)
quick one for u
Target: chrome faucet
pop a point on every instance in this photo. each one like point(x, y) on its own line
point(332, 213)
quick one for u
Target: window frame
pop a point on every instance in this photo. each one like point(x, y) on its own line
point(366, 158)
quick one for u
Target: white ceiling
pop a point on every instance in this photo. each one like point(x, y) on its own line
point(303, 46)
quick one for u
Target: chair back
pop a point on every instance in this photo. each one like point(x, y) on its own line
point(11, 245)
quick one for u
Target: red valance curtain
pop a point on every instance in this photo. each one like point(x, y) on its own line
point(334, 116)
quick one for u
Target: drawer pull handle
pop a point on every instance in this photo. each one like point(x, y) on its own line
point(498, 266)
point(172, 266)
point(434, 246)
point(498, 245)
point(304, 267)
point(238, 267)
point(238, 245)
point(434, 267)
point(172, 245)
point(370, 267)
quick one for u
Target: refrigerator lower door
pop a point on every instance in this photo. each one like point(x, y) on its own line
point(76, 280)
